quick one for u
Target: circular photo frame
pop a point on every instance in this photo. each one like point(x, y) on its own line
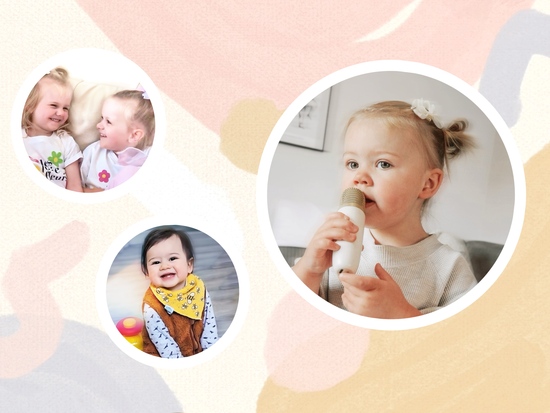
point(215, 293)
point(93, 77)
point(477, 212)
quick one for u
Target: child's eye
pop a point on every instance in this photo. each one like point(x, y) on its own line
point(155, 262)
point(352, 164)
point(383, 165)
point(173, 258)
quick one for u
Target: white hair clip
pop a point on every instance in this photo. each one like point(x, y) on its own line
point(425, 110)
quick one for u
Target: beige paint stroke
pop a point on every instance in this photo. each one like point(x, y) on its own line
point(490, 357)
point(246, 130)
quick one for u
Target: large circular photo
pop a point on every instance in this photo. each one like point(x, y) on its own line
point(391, 195)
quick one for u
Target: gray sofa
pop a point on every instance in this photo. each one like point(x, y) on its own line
point(482, 255)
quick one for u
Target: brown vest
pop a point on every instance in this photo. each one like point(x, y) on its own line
point(185, 331)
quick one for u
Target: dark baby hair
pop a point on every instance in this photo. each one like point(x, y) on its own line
point(162, 234)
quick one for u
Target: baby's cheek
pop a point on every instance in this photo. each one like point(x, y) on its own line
point(388, 196)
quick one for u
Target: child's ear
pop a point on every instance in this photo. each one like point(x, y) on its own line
point(433, 180)
point(136, 135)
point(190, 265)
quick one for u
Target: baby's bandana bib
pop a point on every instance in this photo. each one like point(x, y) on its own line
point(188, 301)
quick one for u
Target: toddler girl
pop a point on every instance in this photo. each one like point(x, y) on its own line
point(395, 154)
point(178, 316)
point(46, 134)
point(126, 133)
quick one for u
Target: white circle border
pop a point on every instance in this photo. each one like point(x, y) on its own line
point(21, 153)
point(147, 359)
point(412, 68)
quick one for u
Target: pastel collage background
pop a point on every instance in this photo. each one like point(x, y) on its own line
point(226, 72)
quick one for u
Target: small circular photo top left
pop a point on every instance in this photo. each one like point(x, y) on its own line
point(86, 121)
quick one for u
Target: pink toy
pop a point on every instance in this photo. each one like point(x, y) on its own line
point(130, 328)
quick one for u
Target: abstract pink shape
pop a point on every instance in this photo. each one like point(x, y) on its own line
point(307, 350)
point(209, 58)
point(25, 285)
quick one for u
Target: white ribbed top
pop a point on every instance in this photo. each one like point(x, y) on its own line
point(430, 274)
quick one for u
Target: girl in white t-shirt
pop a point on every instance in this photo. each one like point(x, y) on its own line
point(395, 153)
point(126, 133)
point(46, 135)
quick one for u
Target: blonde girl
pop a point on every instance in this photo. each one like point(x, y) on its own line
point(396, 154)
point(126, 133)
point(46, 133)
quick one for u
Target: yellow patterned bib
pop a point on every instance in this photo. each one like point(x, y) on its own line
point(188, 301)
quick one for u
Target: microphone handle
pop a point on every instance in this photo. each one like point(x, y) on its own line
point(348, 256)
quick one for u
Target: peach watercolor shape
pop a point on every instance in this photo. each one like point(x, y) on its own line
point(307, 350)
point(227, 52)
point(31, 269)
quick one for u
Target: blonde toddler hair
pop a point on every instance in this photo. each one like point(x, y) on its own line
point(139, 110)
point(439, 144)
point(58, 77)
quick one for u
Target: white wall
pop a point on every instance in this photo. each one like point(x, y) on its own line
point(100, 66)
point(475, 202)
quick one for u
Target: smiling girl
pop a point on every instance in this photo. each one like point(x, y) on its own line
point(178, 316)
point(126, 133)
point(396, 154)
point(45, 130)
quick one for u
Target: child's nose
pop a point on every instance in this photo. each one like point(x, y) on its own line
point(362, 177)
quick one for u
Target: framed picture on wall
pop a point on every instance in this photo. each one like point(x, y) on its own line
point(307, 129)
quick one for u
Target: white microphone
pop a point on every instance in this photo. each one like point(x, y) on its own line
point(347, 257)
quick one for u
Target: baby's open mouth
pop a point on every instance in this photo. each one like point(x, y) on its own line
point(368, 201)
point(170, 274)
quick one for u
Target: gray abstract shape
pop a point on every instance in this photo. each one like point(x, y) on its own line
point(87, 373)
point(527, 33)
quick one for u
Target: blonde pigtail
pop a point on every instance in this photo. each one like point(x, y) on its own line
point(456, 140)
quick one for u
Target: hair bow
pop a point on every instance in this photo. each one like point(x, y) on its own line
point(424, 109)
point(142, 89)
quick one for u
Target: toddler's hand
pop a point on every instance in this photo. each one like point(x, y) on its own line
point(375, 297)
point(318, 255)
